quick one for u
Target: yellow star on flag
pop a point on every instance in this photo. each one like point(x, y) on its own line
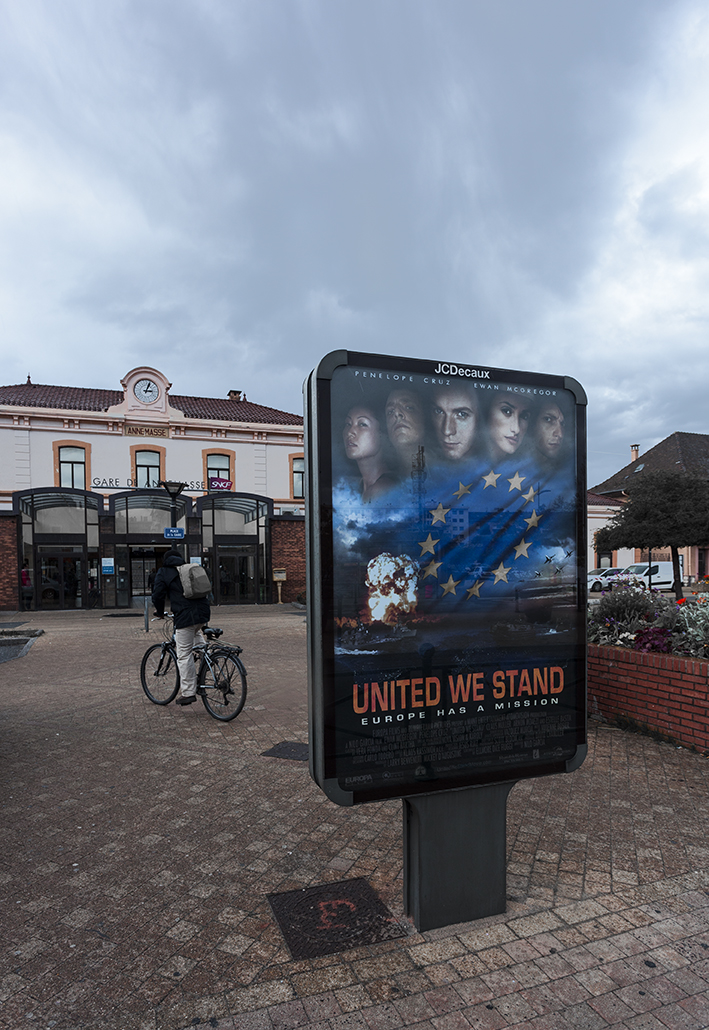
point(439, 513)
point(427, 546)
point(529, 496)
point(474, 590)
point(533, 519)
point(501, 572)
point(521, 548)
point(432, 569)
point(449, 587)
point(516, 482)
point(491, 479)
point(462, 490)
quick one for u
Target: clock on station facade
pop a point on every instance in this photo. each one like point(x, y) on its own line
point(146, 391)
point(146, 394)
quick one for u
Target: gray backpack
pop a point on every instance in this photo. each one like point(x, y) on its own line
point(195, 581)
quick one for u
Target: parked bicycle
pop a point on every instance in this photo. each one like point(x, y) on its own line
point(221, 676)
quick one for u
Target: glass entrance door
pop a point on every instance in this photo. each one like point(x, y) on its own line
point(49, 587)
point(144, 564)
point(60, 582)
point(236, 575)
point(71, 576)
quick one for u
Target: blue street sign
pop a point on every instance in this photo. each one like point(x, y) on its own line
point(173, 533)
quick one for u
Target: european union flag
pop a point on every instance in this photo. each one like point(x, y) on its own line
point(497, 536)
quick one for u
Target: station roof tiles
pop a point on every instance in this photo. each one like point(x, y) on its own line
point(74, 398)
point(63, 398)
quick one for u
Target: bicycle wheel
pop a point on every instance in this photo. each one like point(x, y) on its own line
point(159, 674)
point(222, 685)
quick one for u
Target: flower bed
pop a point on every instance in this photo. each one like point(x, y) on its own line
point(646, 620)
point(662, 694)
point(648, 663)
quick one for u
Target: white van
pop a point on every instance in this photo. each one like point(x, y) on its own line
point(660, 572)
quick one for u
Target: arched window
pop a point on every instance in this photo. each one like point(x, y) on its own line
point(218, 467)
point(219, 464)
point(297, 477)
point(72, 467)
point(147, 469)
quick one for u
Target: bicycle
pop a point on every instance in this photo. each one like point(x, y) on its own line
point(221, 676)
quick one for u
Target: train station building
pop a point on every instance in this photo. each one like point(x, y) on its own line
point(89, 483)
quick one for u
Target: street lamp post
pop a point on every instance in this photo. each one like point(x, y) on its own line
point(174, 490)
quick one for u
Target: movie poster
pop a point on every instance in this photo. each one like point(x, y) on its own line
point(448, 572)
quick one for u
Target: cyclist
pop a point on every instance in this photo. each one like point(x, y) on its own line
point(191, 615)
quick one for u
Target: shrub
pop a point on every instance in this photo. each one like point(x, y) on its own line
point(625, 602)
point(619, 615)
point(691, 635)
point(653, 638)
point(629, 616)
point(665, 610)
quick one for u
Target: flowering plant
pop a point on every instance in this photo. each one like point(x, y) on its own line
point(619, 615)
point(693, 626)
point(653, 638)
point(645, 620)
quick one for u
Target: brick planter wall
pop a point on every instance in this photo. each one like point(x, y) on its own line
point(288, 552)
point(665, 693)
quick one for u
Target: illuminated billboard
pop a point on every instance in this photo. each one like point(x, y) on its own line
point(446, 591)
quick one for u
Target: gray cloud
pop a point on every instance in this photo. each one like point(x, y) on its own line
point(229, 190)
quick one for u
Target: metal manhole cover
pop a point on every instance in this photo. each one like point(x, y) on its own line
point(292, 749)
point(333, 917)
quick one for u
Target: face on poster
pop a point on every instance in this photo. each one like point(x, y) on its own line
point(452, 625)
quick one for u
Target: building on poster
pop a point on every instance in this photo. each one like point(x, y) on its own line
point(453, 612)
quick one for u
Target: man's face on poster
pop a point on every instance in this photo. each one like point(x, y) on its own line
point(405, 419)
point(455, 419)
point(550, 430)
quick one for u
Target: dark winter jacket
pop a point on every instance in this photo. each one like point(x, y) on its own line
point(187, 611)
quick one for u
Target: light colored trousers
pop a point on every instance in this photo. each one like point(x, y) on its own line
point(185, 640)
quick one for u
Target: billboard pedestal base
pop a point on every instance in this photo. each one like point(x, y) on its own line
point(455, 862)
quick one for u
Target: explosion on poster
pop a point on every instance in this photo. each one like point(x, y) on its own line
point(456, 621)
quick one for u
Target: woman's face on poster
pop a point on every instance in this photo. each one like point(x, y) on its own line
point(549, 435)
point(508, 422)
point(361, 434)
point(405, 419)
point(455, 417)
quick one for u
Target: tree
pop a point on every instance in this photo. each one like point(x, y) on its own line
point(665, 509)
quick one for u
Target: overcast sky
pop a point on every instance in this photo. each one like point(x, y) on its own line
point(229, 189)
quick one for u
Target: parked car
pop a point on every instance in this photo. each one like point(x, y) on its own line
point(660, 575)
point(49, 592)
point(598, 579)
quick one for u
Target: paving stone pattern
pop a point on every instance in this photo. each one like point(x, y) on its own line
point(138, 845)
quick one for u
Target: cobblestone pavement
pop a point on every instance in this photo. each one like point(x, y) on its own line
point(138, 845)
